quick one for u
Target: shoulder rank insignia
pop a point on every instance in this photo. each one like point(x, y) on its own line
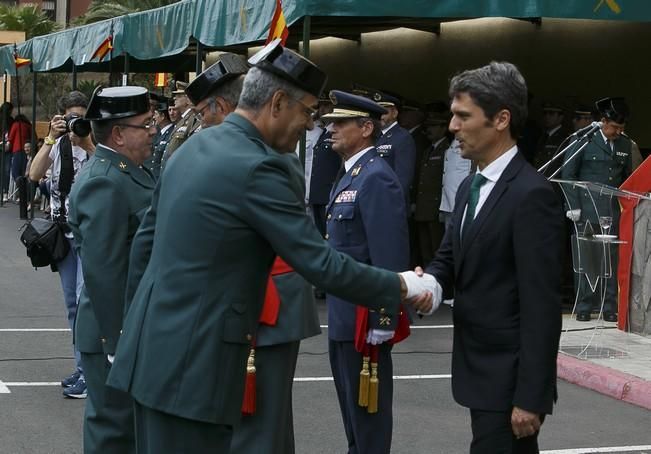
point(123, 165)
point(356, 171)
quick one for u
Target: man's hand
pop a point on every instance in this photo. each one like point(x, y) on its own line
point(57, 127)
point(379, 336)
point(524, 423)
point(434, 287)
point(110, 358)
point(573, 215)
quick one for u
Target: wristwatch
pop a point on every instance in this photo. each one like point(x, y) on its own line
point(49, 140)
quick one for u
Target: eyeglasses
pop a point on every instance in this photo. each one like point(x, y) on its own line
point(210, 103)
point(146, 126)
point(309, 111)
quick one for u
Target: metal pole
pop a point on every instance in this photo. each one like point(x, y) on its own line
point(30, 185)
point(4, 139)
point(74, 76)
point(307, 25)
point(125, 76)
point(199, 60)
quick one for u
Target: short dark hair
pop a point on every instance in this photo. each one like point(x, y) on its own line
point(496, 86)
point(72, 99)
point(102, 129)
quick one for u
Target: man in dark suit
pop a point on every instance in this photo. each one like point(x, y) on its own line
point(107, 202)
point(366, 207)
point(200, 287)
point(164, 127)
point(502, 258)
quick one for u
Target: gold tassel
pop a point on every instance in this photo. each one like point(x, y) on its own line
point(373, 389)
point(364, 376)
point(248, 403)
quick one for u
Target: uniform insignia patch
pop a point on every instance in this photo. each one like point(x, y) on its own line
point(356, 171)
point(385, 320)
point(123, 165)
point(346, 197)
point(620, 153)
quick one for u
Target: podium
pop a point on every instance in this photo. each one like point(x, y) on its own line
point(595, 244)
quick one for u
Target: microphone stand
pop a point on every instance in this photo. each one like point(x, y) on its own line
point(588, 135)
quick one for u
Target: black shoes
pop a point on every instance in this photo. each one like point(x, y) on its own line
point(583, 316)
point(610, 317)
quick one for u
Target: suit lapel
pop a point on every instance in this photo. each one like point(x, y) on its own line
point(347, 179)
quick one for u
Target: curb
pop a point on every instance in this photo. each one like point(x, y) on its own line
point(605, 380)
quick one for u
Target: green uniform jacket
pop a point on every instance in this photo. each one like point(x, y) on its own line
point(107, 202)
point(222, 208)
point(599, 164)
point(184, 129)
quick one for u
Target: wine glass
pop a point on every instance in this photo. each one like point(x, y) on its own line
point(605, 222)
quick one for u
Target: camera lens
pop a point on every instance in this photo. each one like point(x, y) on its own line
point(79, 126)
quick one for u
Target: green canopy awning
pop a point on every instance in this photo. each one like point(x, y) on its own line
point(160, 39)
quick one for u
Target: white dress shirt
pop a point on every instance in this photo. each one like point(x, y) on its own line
point(455, 169)
point(350, 162)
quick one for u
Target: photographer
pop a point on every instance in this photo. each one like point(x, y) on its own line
point(65, 150)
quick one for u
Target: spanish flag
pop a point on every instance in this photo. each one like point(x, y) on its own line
point(20, 61)
point(160, 80)
point(278, 28)
point(103, 49)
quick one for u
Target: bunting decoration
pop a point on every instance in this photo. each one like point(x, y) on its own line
point(278, 27)
point(103, 49)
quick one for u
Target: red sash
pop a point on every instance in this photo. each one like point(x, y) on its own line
point(361, 328)
point(271, 305)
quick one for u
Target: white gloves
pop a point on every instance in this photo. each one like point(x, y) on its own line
point(379, 336)
point(573, 215)
point(427, 283)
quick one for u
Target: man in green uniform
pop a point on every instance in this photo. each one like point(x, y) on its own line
point(107, 202)
point(189, 327)
point(606, 159)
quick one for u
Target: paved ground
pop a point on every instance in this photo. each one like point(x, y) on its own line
point(34, 418)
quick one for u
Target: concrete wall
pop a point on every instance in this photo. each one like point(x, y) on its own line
point(565, 60)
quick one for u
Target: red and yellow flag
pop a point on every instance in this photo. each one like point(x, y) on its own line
point(103, 49)
point(160, 80)
point(20, 61)
point(278, 28)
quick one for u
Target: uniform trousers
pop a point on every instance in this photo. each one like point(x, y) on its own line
point(158, 433)
point(271, 429)
point(108, 421)
point(367, 433)
point(492, 434)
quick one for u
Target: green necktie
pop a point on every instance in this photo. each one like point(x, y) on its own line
point(477, 182)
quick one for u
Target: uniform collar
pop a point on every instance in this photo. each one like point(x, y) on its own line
point(350, 162)
point(124, 164)
point(241, 122)
point(384, 131)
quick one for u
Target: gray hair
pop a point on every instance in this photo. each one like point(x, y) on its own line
point(230, 91)
point(259, 86)
point(494, 87)
point(377, 127)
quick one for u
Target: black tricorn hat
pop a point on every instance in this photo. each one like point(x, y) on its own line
point(614, 109)
point(290, 66)
point(117, 102)
point(227, 67)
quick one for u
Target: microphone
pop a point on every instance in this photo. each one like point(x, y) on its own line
point(589, 130)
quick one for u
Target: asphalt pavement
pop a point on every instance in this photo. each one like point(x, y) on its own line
point(35, 354)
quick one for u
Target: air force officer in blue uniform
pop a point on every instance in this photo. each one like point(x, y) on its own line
point(366, 218)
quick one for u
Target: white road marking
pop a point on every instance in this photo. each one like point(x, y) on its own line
point(3, 388)
point(33, 330)
point(598, 450)
point(32, 383)
point(395, 377)
point(418, 326)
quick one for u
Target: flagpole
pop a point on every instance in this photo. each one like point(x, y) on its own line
point(307, 26)
point(111, 56)
point(17, 78)
point(74, 76)
point(4, 138)
point(30, 186)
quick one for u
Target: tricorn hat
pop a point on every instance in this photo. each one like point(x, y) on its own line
point(347, 105)
point(614, 109)
point(117, 102)
point(227, 67)
point(290, 66)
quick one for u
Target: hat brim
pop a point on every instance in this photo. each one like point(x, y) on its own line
point(345, 113)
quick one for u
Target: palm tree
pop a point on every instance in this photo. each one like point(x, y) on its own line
point(29, 19)
point(106, 9)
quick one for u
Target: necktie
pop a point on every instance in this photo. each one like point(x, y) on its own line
point(477, 182)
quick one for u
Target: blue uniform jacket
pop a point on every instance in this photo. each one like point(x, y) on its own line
point(398, 148)
point(366, 219)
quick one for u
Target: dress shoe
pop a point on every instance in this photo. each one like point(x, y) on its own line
point(583, 317)
point(610, 317)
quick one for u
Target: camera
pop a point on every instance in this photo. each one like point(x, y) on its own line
point(77, 124)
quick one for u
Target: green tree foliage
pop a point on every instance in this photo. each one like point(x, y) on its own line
point(106, 9)
point(29, 19)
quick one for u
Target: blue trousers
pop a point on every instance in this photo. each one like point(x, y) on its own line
point(72, 281)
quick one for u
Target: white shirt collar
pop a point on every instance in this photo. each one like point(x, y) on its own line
point(436, 144)
point(385, 130)
point(494, 170)
point(553, 131)
point(165, 128)
point(605, 138)
point(185, 114)
point(350, 162)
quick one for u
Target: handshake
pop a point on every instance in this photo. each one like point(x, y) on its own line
point(421, 290)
